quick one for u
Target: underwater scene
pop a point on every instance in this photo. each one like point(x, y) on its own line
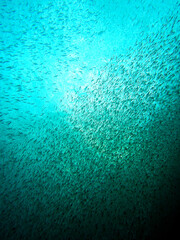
point(89, 119)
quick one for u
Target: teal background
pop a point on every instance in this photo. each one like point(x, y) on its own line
point(89, 119)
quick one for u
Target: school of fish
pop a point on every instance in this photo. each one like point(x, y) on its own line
point(86, 142)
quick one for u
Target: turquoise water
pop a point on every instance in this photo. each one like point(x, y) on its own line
point(89, 119)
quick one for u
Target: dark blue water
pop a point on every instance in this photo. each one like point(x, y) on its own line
point(89, 119)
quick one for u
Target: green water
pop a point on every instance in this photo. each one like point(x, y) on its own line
point(89, 119)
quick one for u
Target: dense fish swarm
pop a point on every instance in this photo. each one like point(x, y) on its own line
point(103, 165)
point(131, 98)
